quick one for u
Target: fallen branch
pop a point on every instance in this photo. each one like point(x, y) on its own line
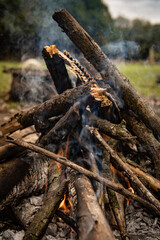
point(91, 222)
point(116, 187)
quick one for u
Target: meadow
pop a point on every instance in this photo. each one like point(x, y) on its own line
point(142, 76)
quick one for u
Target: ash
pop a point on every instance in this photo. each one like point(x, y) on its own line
point(141, 224)
point(57, 228)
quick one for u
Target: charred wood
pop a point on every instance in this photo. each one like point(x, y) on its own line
point(64, 126)
point(57, 69)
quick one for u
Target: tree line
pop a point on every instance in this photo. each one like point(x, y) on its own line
point(26, 26)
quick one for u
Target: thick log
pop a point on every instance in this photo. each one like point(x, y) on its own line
point(30, 178)
point(108, 70)
point(116, 160)
point(91, 222)
point(41, 219)
point(57, 69)
point(53, 107)
point(116, 187)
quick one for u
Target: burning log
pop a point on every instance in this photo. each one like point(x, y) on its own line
point(57, 68)
point(41, 219)
point(109, 72)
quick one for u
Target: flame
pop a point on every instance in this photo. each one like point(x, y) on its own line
point(63, 205)
point(130, 189)
point(51, 50)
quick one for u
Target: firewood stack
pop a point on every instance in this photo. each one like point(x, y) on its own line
point(97, 149)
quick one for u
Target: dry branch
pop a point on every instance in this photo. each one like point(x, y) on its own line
point(109, 72)
point(116, 187)
point(135, 181)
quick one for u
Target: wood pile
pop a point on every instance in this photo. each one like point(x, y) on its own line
point(96, 139)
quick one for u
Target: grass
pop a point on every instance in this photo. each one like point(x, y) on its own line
point(142, 77)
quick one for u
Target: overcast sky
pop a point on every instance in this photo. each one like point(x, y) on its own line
point(144, 9)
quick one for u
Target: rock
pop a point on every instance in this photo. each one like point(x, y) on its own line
point(52, 229)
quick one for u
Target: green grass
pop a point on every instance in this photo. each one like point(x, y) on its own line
point(5, 78)
point(142, 77)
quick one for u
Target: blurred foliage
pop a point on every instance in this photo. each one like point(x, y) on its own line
point(27, 25)
point(142, 32)
point(142, 77)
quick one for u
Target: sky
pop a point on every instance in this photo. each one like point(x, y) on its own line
point(144, 9)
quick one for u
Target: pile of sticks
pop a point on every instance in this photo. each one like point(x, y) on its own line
point(92, 127)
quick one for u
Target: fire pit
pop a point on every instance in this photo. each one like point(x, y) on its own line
point(93, 171)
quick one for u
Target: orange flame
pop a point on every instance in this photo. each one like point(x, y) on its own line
point(130, 189)
point(63, 205)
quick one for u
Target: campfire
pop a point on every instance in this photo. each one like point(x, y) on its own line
point(84, 164)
